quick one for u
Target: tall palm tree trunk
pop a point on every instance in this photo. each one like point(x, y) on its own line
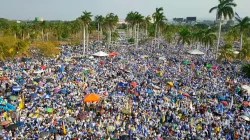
point(42, 36)
point(84, 30)
point(218, 41)
point(137, 42)
point(101, 34)
point(241, 40)
point(127, 32)
point(23, 35)
point(158, 41)
point(87, 34)
point(155, 33)
point(110, 35)
point(146, 30)
point(98, 32)
point(135, 31)
point(47, 36)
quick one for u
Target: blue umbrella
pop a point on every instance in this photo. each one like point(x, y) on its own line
point(19, 77)
point(180, 96)
point(222, 98)
point(33, 95)
point(148, 90)
point(64, 91)
point(19, 124)
point(46, 96)
point(16, 88)
point(121, 84)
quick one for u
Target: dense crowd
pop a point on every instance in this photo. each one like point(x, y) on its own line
point(145, 93)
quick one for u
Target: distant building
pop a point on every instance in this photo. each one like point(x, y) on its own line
point(178, 19)
point(38, 19)
point(191, 19)
point(18, 21)
point(209, 22)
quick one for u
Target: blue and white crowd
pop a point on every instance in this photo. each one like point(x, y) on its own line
point(176, 96)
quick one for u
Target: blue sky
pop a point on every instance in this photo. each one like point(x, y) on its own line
point(71, 9)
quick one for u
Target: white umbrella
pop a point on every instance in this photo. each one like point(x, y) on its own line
point(247, 88)
point(236, 52)
point(162, 58)
point(245, 117)
point(91, 57)
point(196, 52)
point(100, 53)
point(38, 71)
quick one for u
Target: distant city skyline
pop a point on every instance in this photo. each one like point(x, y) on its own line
point(70, 10)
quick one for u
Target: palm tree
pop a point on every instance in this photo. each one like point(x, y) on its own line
point(130, 19)
point(147, 21)
point(86, 19)
point(76, 27)
point(111, 21)
point(184, 36)
point(245, 69)
point(226, 52)
point(44, 29)
point(243, 25)
point(15, 29)
point(100, 20)
point(245, 52)
point(169, 31)
point(207, 38)
point(224, 10)
point(138, 20)
point(158, 17)
point(232, 35)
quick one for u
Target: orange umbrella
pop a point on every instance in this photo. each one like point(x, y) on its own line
point(112, 54)
point(4, 78)
point(92, 98)
point(3, 123)
point(43, 67)
point(245, 103)
point(133, 84)
point(102, 62)
point(115, 53)
point(224, 102)
point(185, 94)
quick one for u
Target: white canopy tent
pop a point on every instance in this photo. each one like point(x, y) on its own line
point(195, 52)
point(91, 57)
point(100, 54)
point(236, 52)
point(162, 58)
point(247, 88)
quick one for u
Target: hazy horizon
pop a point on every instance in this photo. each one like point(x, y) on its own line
point(70, 10)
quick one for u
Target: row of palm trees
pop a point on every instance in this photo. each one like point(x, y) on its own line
point(138, 27)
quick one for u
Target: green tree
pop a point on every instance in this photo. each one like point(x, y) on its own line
point(86, 19)
point(245, 69)
point(224, 10)
point(207, 38)
point(159, 18)
point(245, 52)
point(226, 52)
point(100, 21)
point(184, 36)
point(243, 25)
point(147, 21)
point(111, 21)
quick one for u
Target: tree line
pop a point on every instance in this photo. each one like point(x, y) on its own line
point(87, 28)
